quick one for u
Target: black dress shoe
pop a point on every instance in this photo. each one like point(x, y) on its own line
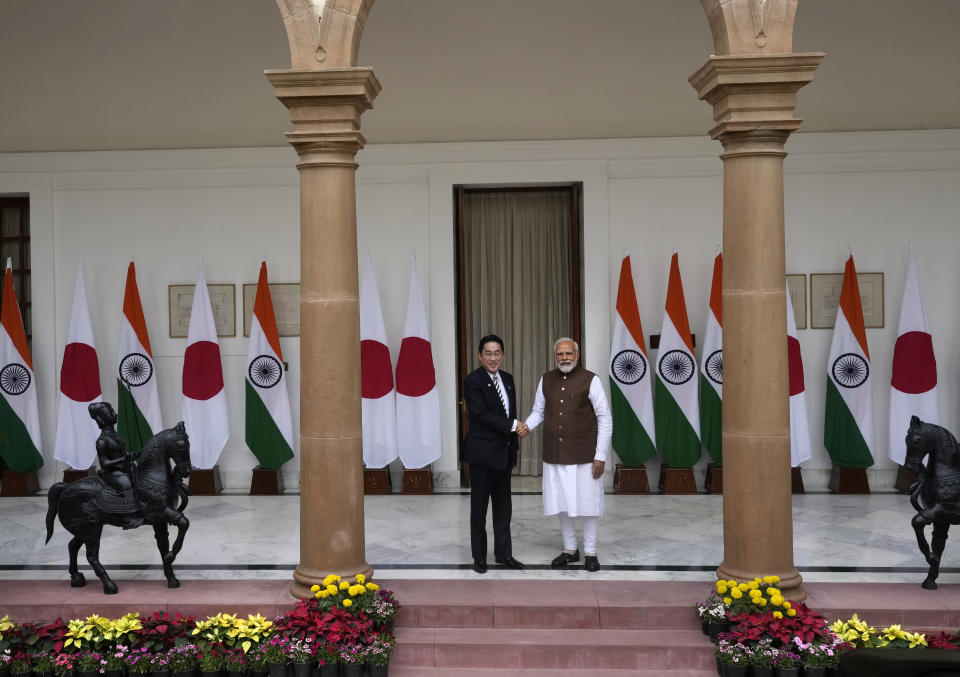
point(591, 563)
point(563, 559)
point(479, 567)
point(509, 562)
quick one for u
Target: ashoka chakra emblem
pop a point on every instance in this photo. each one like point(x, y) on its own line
point(676, 367)
point(135, 369)
point(265, 371)
point(850, 370)
point(14, 379)
point(628, 367)
point(714, 367)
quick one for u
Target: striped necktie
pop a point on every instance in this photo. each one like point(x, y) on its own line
point(496, 384)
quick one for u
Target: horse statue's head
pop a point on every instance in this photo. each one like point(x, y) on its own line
point(923, 439)
point(179, 449)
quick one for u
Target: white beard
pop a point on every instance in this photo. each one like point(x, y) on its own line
point(566, 369)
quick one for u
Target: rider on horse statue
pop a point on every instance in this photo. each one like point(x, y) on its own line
point(116, 468)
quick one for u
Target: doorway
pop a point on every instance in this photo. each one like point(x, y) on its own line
point(519, 262)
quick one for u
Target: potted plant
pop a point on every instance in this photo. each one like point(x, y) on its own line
point(211, 659)
point(235, 662)
point(327, 658)
point(5, 658)
point(731, 658)
point(257, 661)
point(88, 664)
point(42, 664)
point(63, 664)
point(760, 658)
point(786, 663)
point(138, 661)
point(713, 616)
point(20, 664)
point(183, 660)
point(300, 656)
point(351, 659)
point(116, 661)
point(818, 658)
point(383, 608)
point(275, 655)
point(160, 664)
point(377, 654)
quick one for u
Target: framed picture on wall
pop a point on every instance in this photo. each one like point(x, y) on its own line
point(286, 306)
point(798, 296)
point(223, 300)
point(825, 299)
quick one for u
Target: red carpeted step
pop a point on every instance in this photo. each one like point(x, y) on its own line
point(420, 671)
point(553, 648)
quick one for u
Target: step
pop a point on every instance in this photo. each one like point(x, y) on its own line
point(553, 649)
point(420, 671)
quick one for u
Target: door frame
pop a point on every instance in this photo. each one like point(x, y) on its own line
point(464, 344)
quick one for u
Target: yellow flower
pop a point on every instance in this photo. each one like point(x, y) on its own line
point(323, 594)
point(773, 591)
point(776, 600)
point(773, 580)
point(727, 601)
point(361, 579)
point(756, 593)
point(753, 585)
point(344, 585)
point(314, 588)
point(331, 589)
point(791, 612)
point(743, 587)
point(722, 587)
point(373, 586)
point(347, 602)
point(786, 604)
point(777, 614)
point(736, 594)
point(762, 601)
point(916, 639)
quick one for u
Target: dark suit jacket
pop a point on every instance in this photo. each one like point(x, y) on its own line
point(489, 442)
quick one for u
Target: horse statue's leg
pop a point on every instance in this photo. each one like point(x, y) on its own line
point(919, 522)
point(937, 542)
point(77, 579)
point(179, 520)
point(93, 556)
point(163, 544)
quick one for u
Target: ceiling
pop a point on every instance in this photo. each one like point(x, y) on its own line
point(122, 74)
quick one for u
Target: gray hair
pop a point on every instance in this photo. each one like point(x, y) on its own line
point(565, 339)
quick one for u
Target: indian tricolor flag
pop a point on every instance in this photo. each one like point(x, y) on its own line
point(19, 417)
point(269, 424)
point(711, 368)
point(631, 396)
point(848, 422)
point(913, 386)
point(138, 411)
point(675, 407)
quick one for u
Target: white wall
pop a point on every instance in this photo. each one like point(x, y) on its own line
point(876, 191)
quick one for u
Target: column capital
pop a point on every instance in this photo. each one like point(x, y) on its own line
point(754, 92)
point(325, 108)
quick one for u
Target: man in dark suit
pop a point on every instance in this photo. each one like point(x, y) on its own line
point(490, 448)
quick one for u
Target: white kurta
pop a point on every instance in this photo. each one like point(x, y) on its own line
point(571, 488)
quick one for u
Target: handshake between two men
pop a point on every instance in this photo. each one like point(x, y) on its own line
point(577, 426)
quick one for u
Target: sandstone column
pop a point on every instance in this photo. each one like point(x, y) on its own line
point(752, 85)
point(325, 107)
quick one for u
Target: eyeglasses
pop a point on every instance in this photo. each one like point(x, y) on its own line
point(487, 353)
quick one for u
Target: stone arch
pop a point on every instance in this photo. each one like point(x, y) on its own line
point(324, 33)
point(745, 27)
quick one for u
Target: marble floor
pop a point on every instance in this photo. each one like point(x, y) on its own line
point(839, 538)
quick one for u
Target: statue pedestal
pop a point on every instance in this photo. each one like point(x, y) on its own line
point(417, 481)
point(849, 481)
point(677, 480)
point(630, 480)
point(71, 475)
point(205, 482)
point(796, 481)
point(904, 479)
point(266, 482)
point(714, 483)
point(377, 481)
point(19, 483)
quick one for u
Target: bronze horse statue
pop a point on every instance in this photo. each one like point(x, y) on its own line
point(158, 498)
point(936, 493)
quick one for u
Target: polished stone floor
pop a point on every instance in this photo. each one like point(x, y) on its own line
point(836, 538)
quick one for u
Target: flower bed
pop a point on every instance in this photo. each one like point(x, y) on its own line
point(758, 632)
point(344, 623)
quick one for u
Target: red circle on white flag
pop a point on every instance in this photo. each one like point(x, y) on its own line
point(914, 366)
point(376, 372)
point(202, 371)
point(80, 373)
point(415, 373)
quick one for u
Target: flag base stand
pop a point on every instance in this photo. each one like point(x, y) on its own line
point(377, 481)
point(417, 481)
point(677, 480)
point(796, 481)
point(206, 482)
point(19, 483)
point(71, 475)
point(265, 482)
point(904, 479)
point(630, 480)
point(849, 481)
point(714, 483)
